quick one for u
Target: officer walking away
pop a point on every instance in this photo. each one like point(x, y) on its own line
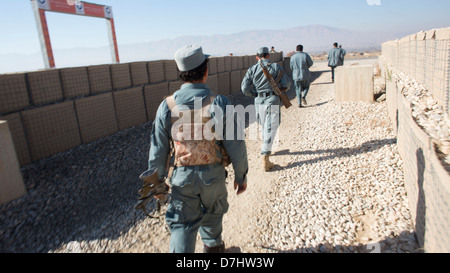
point(300, 64)
point(335, 59)
point(267, 103)
point(343, 52)
point(199, 195)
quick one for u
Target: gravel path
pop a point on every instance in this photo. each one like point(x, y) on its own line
point(338, 187)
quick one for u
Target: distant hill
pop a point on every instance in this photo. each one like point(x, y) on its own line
point(315, 38)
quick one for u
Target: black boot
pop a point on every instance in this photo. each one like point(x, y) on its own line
point(216, 249)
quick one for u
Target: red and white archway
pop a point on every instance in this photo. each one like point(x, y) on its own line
point(71, 7)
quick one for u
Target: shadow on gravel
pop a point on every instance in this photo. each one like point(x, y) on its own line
point(86, 194)
point(403, 243)
point(318, 104)
point(322, 83)
point(316, 74)
point(233, 249)
point(340, 152)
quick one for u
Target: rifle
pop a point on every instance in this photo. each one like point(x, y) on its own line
point(281, 93)
point(152, 187)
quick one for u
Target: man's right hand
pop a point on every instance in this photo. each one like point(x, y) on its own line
point(240, 188)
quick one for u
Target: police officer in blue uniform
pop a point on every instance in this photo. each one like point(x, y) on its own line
point(267, 103)
point(335, 59)
point(300, 64)
point(199, 194)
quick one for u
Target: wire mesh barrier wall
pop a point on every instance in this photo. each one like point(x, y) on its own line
point(55, 110)
point(414, 67)
point(425, 57)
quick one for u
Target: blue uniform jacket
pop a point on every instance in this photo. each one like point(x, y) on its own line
point(300, 64)
point(256, 82)
point(162, 125)
point(335, 57)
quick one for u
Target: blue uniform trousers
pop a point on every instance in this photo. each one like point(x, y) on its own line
point(269, 117)
point(301, 90)
point(199, 201)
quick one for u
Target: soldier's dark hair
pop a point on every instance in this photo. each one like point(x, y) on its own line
point(195, 74)
point(335, 44)
point(263, 55)
point(299, 48)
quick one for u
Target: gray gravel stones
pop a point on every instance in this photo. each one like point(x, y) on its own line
point(86, 194)
point(342, 189)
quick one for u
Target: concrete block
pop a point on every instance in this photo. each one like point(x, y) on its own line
point(11, 181)
point(13, 93)
point(51, 129)
point(139, 73)
point(45, 87)
point(75, 82)
point(170, 70)
point(121, 76)
point(154, 94)
point(156, 71)
point(96, 117)
point(224, 83)
point(130, 107)
point(19, 138)
point(354, 83)
point(100, 79)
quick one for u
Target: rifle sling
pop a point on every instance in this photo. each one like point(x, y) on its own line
point(270, 79)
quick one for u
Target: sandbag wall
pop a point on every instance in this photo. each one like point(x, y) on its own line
point(53, 111)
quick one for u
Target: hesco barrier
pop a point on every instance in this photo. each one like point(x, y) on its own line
point(55, 110)
point(424, 57)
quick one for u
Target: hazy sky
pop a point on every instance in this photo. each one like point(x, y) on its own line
point(151, 20)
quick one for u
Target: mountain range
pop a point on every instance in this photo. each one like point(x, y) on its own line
point(314, 38)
